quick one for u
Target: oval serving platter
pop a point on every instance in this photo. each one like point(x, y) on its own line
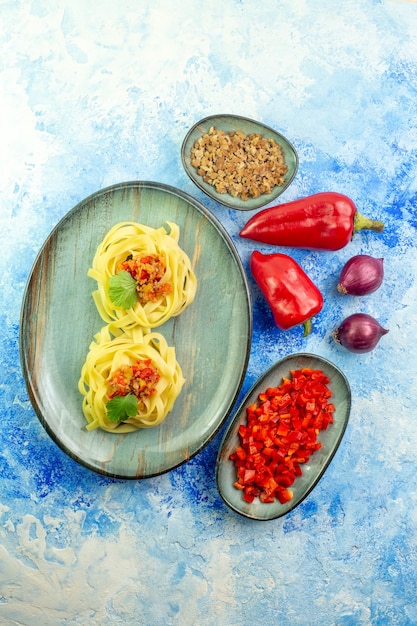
point(319, 461)
point(229, 123)
point(212, 337)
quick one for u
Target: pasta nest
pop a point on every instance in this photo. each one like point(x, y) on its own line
point(113, 349)
point(130, 239)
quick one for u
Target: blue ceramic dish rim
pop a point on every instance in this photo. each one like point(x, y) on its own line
point(226, 199)
point(238, 412)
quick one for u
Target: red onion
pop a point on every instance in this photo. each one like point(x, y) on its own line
point(359, 333)
point(361, 275)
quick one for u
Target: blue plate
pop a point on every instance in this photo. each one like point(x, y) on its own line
point(212, 336)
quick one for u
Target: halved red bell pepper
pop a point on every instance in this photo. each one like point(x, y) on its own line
point(292, 296)
point(323, 221)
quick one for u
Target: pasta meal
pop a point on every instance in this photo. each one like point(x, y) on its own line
point(143, 276)
point(129, 380)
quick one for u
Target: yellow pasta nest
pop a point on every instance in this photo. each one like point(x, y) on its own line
point(167, 296)
point(112, 351)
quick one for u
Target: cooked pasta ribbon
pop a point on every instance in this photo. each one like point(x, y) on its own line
point(176, 289)
point(112, 350)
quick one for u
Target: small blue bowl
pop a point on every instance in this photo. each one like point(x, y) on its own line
point(229, 123)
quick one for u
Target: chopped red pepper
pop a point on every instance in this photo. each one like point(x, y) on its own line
point(148, 271)
point(138, 379)
point(281, 434)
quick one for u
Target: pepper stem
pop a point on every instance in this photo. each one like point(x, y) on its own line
point(308, 326)
point(360, 222)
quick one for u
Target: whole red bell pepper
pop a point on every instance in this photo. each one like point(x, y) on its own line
point(292, 296)
point(323, 221)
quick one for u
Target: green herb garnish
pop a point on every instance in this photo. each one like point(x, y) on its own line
point(122, 290)
point(120, 408)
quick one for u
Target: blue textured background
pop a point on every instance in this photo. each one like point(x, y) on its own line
point(96, 93)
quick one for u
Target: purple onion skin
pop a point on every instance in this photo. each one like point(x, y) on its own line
point(359, 333)
point(361, 275)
